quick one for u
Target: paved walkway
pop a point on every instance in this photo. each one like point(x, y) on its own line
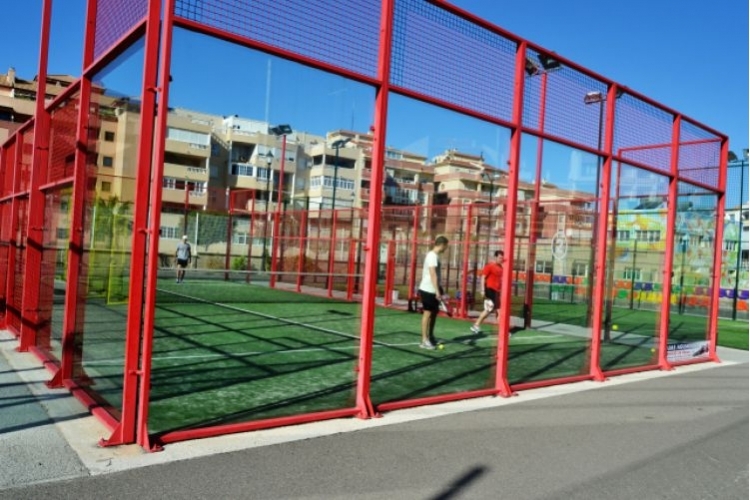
point(666, 435)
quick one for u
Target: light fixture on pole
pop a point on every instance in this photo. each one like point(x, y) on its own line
point(337, 145)
point(281, 131)
point(546, 64)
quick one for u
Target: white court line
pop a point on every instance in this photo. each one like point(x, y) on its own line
point(117, 361)
point(266, 316)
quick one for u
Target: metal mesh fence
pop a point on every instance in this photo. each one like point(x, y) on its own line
point(114, 18)
point(307, 27)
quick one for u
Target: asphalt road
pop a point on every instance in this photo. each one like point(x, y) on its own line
point(678, 436)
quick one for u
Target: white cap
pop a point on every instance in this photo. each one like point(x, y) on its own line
point(184, 237)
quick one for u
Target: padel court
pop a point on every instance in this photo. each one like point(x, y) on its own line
point(310, 156)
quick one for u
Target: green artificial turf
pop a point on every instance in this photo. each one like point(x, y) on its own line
point(227, 352)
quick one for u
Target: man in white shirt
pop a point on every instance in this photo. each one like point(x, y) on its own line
point(430, 290)
point(183, 255)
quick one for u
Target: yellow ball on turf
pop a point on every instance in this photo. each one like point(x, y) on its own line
point(653, 349)
point(441, 346)
point(614, 327)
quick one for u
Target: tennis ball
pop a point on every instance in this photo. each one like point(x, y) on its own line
point(441, 346)
point(614, 327)
point(653, 349)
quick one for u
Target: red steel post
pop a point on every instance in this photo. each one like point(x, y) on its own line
point(132, 374)
point(413, 259)
point(275, 247)
point(511, 202)
point(718, 248)
point(332, 252)
point(13, 243)
point(602, 219)
point(672, 198)
point(154, 218)
point(302, 247)
point(76, 293)
point(35, 221)
point(465, 260)
point(364, 403)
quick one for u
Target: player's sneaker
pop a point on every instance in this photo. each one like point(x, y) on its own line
point(475, 329)
point(427, 345)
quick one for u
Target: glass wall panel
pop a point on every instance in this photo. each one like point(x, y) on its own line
point(635, 268)
point(262, 173)
point(443, 177)
point(101, 313)
point(555, 254)
point(52, 287)
point(695, 234)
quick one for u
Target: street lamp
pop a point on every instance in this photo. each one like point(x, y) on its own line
point(269, 159)
point(684, 241)
point(338, 144)
point(739, 235)
point(283, 131)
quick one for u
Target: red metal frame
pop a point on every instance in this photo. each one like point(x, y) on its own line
point(364, 403)
point(75, 292)
point(277, 216)
point(602, 236)
point(132, 423)
point(133, 374)
point(35, 220)
point(514, 169)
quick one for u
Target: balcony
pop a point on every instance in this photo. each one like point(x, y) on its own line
point(187, 148)
point(184, 172)
point(178, 196)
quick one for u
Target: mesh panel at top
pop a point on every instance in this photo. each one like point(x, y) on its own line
point(643, 133)
point(343, 34)
point(114, 18)
point(700, 152)
point(440, 55)
point(62, 140)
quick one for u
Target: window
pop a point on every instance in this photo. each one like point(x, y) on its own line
point(623, 235)
point(242, 170)
point(648, 235)
point(169, 183)
point(580, 269)
point(106, 187)
point(544, 266)
point(240, 238)
point(109, 136)
point(107, 161)
point(182, 135)
point(169, 233)
point(62, 233)
point(632, 274)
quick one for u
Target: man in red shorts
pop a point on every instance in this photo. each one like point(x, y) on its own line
point(492, 275)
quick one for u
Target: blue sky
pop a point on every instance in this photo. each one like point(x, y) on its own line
point(691, 56)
